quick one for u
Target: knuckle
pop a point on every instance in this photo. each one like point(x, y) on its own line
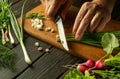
point(85, 22)
point(95, 6)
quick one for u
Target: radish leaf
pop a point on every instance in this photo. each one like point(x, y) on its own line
point(75, 74)
point(109, 42)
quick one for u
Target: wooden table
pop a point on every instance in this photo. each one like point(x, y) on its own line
point(45, 65)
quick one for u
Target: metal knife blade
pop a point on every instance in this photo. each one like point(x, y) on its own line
point(61, 32)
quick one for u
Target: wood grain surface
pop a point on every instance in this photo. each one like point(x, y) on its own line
point(77, 49)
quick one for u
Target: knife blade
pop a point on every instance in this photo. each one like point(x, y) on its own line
point(61, 32)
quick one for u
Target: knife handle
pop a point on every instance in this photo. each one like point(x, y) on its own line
point(57, 17)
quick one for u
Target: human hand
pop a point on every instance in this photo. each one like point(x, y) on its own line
point(92, 16)
point(53, 6)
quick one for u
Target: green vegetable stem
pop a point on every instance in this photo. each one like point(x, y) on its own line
point(5, 23)
point(113, 61)
point(101, 39)
point(18, 30)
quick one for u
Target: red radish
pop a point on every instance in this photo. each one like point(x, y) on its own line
point(90, 63)
point(82, 68)
point(99, 64)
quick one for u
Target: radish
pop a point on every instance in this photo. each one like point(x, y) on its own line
point(99, 64)
point(82, 68)
point(90, 63)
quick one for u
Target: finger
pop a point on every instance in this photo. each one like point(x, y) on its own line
point(102, 24)
point(47, 3)
point(54, 7)
point(84, 24)
point(65, 8)
point(95, 21)
point(80, 31)
point(78, 19)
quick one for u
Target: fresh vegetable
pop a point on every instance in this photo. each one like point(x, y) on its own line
point(18, 29)
point(36, 15)
point(75, 74)
point(5, 23)
point(37, 20)
point(90, 63)
point(6, 57)
point(6, 54)
point(99, 64)
point(82, 68)
point(37, 24)
point(109, 42)
point(94, 39)
point(113, 61)
point(110, 71)
point(107, 74)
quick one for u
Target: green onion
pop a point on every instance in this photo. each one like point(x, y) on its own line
point(18, 30)
point(10, 35)
point(93, 39)
point(3, 37)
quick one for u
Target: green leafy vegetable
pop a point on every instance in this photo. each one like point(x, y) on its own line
point(75, 74)
point(5, 23)
point(35, 15)
point(113, 61)
point(109, 42)
point(108, 74)
point(6, 57)
point(6, 54)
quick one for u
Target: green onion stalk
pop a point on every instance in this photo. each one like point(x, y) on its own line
point(10, 35)
point(6, 36)
point(18, 30)
point(93, 39)
point(3, 37)
point(5, 23)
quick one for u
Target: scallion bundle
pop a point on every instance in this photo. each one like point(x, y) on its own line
point(13, 23)
point(18, 30)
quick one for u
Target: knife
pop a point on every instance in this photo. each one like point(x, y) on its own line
point(61, 32)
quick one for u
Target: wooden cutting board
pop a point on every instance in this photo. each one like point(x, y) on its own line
point(77, 49)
